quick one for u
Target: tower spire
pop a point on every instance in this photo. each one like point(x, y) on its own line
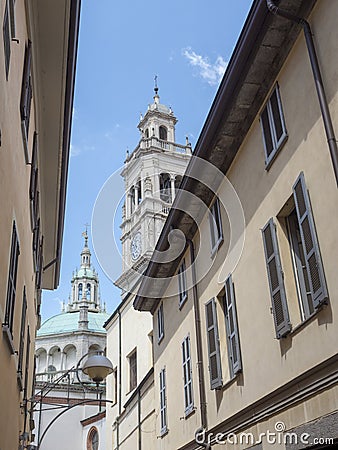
point(156, 96)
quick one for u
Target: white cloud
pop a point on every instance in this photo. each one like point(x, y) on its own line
point(74, 151)
point(211, 73)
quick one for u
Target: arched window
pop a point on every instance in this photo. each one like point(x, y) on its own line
point(88, 292)
point(146, 133)
point(163, 133)
point(165, 187)
point(139, 190)
point(51, 372)
point(132, 200)
point(93, 439)
point(70, 356)
point(79, 292)
point(41, 360)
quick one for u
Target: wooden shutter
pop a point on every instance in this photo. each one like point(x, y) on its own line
point(213, 345)
point(234, 351)
point(22, 330)
point(310, 246)
point(276, 282)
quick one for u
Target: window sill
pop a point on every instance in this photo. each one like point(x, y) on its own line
point(273, 155)
point(305, 322)
point(228, 383)
point(9, 338)
point(183, 301)
point(216, 247)
point(189, 412)
point(164, 432)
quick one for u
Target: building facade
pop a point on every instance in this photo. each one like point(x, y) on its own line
point(245, 330)
point(62, 343)
point(152, 174)
point(35, 121)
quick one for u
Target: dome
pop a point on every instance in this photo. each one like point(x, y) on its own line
point(85, 273)
point(68, 323)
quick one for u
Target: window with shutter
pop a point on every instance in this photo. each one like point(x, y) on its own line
point(215, 221)
point(215, 369)
point(11, 284)
point(163, 402)
point(182, 284)
point(33, 185)
point(234, 352)
point(160, 322)
point(22, 335)
point(276, 283)
point(6, 38)
point(273, 126)
point(309, 243)
point(12, 17)
point(187, 376)
point(132, 370)
point(26, 97)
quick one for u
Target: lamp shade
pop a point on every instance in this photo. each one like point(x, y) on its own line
point(97, 367)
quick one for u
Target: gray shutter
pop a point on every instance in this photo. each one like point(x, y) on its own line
point(26, 91)
point(234, 351)
point(213, 345)
point(12, 17)
point(313, 261)
point(276, 282)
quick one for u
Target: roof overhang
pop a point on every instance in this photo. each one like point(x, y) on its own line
point(261, 50)
point(53, 30)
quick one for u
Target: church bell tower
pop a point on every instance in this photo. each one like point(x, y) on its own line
point(152, 174)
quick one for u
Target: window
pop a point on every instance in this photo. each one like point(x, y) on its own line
point(229, 304)
point(215, 369)
point(115, 385)
point(163, 133)
point(26, 97)
point(163, 402)
point(22, 333)
point(79, 296)
point(165, 188)
point(160, 322)
point(187, 376)
point(33, 185)
point(11, 284)
point(88, 292)
point(132, 370)
point(93, 439)
point(182, 284)
point(6, 38)
point(305, 254)
point(273, 126)
point(28, 349)
point(215, 226)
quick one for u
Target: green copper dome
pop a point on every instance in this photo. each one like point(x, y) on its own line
point(85, 273)
point(68, 323)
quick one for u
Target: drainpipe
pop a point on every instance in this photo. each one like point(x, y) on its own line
point(331, 139)
point(201, 381)
point(139, 419)
point(120, 382)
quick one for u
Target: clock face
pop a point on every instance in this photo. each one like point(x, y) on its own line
point(136, 246)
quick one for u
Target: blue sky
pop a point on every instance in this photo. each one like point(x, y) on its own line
point(122, 46)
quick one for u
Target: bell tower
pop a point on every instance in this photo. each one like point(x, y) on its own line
point(152, 174)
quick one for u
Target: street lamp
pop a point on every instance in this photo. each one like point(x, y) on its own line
point(97, 367)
